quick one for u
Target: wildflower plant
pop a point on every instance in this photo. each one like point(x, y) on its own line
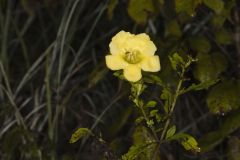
point(131, 54)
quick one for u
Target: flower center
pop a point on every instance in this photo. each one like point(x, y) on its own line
point(132, 57)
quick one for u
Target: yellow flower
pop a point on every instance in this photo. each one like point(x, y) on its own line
point(132, 53)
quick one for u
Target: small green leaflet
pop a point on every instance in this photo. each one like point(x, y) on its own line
point(171, 131)
point(80, 133)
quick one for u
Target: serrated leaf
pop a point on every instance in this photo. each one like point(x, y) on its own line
point(216, 5)
point(190, 144)
point(111, 6)
point(208, 67)
point(171, 131)
point(139, 10)
point(200, 86)
point(80, 133)
point(187, 141)
point(224, 97)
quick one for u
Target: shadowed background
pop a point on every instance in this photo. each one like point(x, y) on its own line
point(53, 77)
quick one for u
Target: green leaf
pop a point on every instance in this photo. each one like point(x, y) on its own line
point(139, 120)
point(154, 79)
point(187, 6)
point(143, 145)
point(223, 37)
point(139, 10)
point(173, 29)
point(224, 97)
point(200, 44)
point(136, 152)
point(219, 19)
point(137, 88)
point(171, 131)
point(216, 5)
point(80, 133)
point(141, 135)
point(150, 122)
point(214, 138)
point(151, 104)
point(200, 86)
point(190, 144)
point(208, 67)
point(187, 141)
point(111, 6)
point(119, 74)
point(167, 96)
point(153, 113)
point(176, 61)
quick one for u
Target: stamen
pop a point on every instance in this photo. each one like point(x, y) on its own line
point(132, 56)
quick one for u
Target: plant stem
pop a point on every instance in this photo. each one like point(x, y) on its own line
point(173, 103)
point(147, 119)
point(139, 105)
point(49, 107)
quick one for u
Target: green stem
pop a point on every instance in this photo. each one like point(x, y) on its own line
point(49, 107)
point(173, 103)
point(147, 120)
point(139, 105)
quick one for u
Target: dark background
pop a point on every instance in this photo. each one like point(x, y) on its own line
point(53, 77)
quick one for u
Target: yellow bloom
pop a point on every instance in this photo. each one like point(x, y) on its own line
point(132, 53)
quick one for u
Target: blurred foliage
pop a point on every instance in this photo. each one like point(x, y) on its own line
point(79, 133)
point(53, 79)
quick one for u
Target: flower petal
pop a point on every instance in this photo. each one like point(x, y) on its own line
point(143, 36)
point(142, 43)
point(151, 64)
point(149, 48)
point(115, 62)
point(117, 44)
point(132, 73)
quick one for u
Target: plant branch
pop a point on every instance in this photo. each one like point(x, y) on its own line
point(172, 106)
